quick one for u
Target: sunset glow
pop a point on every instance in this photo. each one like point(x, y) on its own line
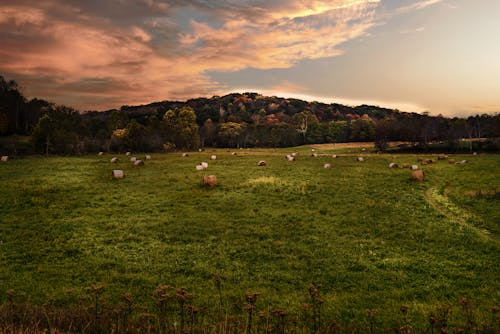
point(422, 55)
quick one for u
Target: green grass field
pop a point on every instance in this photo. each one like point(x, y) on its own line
point(368, 235)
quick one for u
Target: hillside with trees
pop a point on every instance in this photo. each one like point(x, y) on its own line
point(235, 120)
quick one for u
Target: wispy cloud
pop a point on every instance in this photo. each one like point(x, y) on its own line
point(104, 54)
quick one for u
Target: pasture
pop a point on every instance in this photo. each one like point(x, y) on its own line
point(367, 234)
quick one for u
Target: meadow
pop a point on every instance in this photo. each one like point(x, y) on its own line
point(366, 235)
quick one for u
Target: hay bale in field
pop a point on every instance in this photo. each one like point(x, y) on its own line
point(393, 165)
point(360, 159)
point(475, 153)
point(327, 166)
point(334, 156)
point(204, 165)
point(213, 157)
point(314, 155)
point(233, 153)
point(147, 157)
point(451, 161)
point(406, 166)
point(101, 153)
point(117, 174)
point(128, 153)
point(290, 157)
point(200, 167)
point(4, 158)
point(261, 163)
point(417, 175)
point(133, 159)
point(424, 162)
point(414, 167)
point(442, 157)
point(210, 181)
point(114, 160)
point(138, 163)
point(313, 150)
point(185, 155)
point(294, 154)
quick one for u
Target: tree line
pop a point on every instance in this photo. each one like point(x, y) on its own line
point(234, 120)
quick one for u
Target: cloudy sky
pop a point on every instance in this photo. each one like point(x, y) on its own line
point(441, 56)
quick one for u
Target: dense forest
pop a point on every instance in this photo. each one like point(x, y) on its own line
point(234, 120)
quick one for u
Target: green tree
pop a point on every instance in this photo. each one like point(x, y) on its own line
point(229, 133)
point(181, 128)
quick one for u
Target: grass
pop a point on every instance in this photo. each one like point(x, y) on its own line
point(365, 233)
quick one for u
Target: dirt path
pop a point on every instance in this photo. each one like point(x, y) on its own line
point(443, 205)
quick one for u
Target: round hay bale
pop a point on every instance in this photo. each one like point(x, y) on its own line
point(406, 166)
point(313, 150)
point(261, 163)
point(101, 153)
point(294, 154)
point(117, 174)
point(114, 160)
point(360, 159)
point(204, 165)
point(327, 166)
point(5, 158)
point(475, 153)
point(138, 163)
point(290, 158)
point(334, 156)
point(128, 153)
point(451, 161)
point(200, 167)
point(314, 155)
point(234, 153)
point(213, 157)
point(210, 181)
point(133, 159)
point(185, 155)
point(417, 175)
point(414, 167)
point(147, 157)
point(442, 157)
point(393, 165)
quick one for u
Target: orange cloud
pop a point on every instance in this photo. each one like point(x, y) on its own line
point(82, 57)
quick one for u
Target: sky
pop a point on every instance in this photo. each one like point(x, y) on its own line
point(436, 56)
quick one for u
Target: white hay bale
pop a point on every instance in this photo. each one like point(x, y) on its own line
point(200, 167)
point(327, 166)
point(101, 153)
point(114, 160)
point(475, 153)
point(290, 157)
point(314, 155)
point(185, 155)
point(414, 167)
point(148, 157)
point(360, 159)
point(393, 165)
point(133, 159)
point(5, 158)
point(261, 163)
point(128, 153)
point(204, 165)
point(234, 153)
point(294, 154)
point(138, 163)
point(313, 150)
point(117, 174)
point(334, 156)
point(213, 157)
